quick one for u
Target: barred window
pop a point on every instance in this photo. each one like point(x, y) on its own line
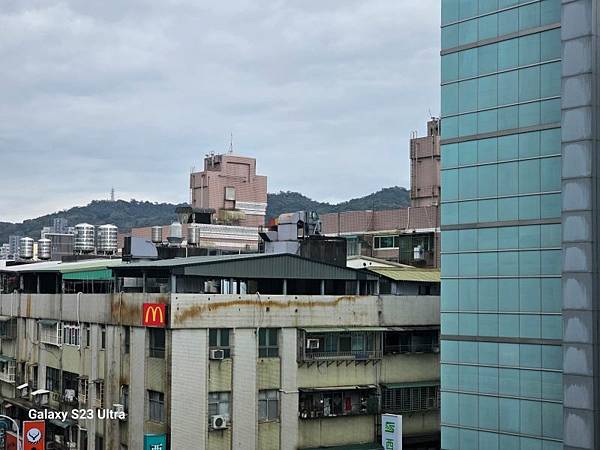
point(71, 334)
point(156, 406)
point(52, 379)
point(50, 332)
point(410, 399)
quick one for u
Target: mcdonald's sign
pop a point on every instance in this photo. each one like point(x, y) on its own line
point(154, 315)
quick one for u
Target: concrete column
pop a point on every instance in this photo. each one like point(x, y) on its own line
point(322, 287)
point(173, 284)
point(137, 389)
point(90, 425)
point(244, 400)
point(288, 397)
point(189, 388)
point(284, 288)
point(112, 386)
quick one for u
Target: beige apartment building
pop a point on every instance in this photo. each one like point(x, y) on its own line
point(253, 352)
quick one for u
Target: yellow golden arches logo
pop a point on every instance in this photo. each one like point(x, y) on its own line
point(154, 314)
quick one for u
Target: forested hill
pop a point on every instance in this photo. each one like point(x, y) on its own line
point(134, 213)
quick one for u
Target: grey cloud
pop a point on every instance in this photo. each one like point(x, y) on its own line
point(132, 94)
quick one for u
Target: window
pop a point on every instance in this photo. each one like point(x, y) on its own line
point(50, 332)
point(157, 342)
point(268, 342)
point(219, 404)
point(337, 403)
point(218, 339)
point(52, 379)
point(418, 341)
point(102, 337)
point(99, 393)
point(381, 242)
point(268, 405)
point(125, 397)
point(156, 406)
point(7, 370)
point(88, 334)
point(127, 339)
point(83, 390)
point(70, 384)
point(8, 327)
point(71, 334)
point(410, 399)
point(230, 194)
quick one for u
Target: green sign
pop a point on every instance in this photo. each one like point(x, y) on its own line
point(391, 432)
point(155, 442)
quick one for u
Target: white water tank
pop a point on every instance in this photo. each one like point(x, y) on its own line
point(26, 248)
point(107, 239)
point(85, 236)
point(44, 248)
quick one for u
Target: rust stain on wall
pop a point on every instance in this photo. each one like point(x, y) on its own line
point(128, 311)
point(197, 311)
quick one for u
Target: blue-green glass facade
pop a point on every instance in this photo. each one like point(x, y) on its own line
point(501, 302)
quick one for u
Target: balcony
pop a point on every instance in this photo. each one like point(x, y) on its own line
point(339, 345)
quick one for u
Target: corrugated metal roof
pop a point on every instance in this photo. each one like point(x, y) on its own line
point(258, 265)
point(400, 274)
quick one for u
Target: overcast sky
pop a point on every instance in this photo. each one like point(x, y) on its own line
point(132, 94)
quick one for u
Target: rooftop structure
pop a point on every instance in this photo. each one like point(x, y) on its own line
point(425, 167)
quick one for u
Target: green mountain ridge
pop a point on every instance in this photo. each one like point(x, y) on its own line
point(135, 213)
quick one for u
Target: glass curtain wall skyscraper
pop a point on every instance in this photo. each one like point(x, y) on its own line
point(502, 324)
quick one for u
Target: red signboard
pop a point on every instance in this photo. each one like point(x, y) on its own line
point(10, 441)
point(154, 315)
point(34, 435)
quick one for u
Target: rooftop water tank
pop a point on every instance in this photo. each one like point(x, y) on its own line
point(84, 238)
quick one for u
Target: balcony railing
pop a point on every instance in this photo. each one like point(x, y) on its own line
point(358, 355)
point(411, 348)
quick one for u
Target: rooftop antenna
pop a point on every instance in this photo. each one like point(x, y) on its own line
point(231, 143)
point(112, 194)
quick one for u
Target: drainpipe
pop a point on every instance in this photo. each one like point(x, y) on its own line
point(322, 287)
point(284, 286)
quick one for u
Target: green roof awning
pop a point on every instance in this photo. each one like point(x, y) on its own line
point(89, 275)
point(411, 384)
point(369, 446)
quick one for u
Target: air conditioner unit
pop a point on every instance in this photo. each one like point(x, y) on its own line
point(217, 354)
point(118, 408)
point(312, 344)
point(218, 422)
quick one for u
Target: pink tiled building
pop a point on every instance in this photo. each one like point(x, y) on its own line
point(229, 185)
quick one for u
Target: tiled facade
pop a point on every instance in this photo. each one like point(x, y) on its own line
point(230, 182)
point(425, 167)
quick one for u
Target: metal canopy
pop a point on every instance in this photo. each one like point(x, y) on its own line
point(338, 388)
point(343, 329)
